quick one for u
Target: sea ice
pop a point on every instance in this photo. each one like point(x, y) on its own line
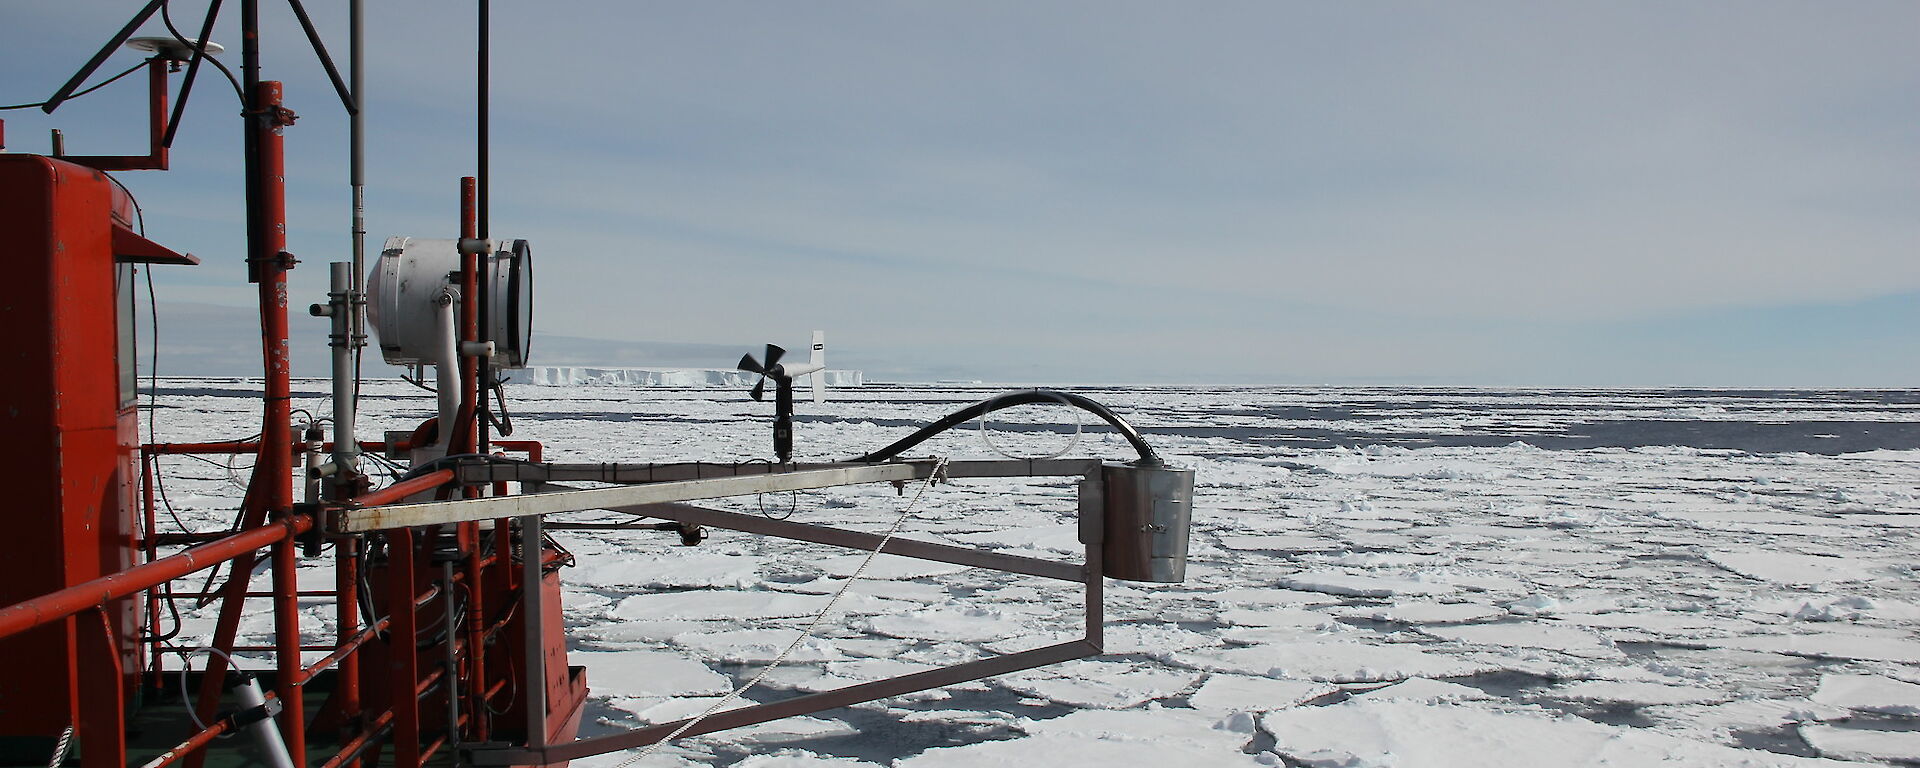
point(1154, 638)
point(648, 673)
point(1861, 744)
point(1572, 640)
point(1223, 694)
point(1334, 662)
point(1273, 617)
point(965, 624)
point(1827, 645)
point(1869, 693)
point(795, 758)
point(730, 604)
point(786, 729)
point(1051, 539)
point(1424, 690)
point(1276, 543)
point(694, 569)
point(757, 645)
point(1085, 739)
point(1335, 583)
point(887, 567)
point(1637, 694)
point(1244, 596)
point(1408, 734)
point(1788, 568)
point(1427, 612)
point(1610, 539)
point(1107, 685)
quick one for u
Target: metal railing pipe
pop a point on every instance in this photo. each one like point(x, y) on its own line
point(54, 606)
point(403, 489)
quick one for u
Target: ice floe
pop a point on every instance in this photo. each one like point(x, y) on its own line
point(1334, 661)
point(1789, 568)
point(1362, 585)
point(1408, 734)
point(1869, 693)
point(1572, 640)
point(1224, 694)
point(1863, 744)
point(1637, 694)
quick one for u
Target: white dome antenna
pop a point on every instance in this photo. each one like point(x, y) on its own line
point(172, 48)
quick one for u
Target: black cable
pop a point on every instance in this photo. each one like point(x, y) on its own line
point(193, 74)
point(504, 423)
point(420, 382)
point(1009, 400)
point(78, 94)
point(153, 396)
point(153, 378)
point(167, 19)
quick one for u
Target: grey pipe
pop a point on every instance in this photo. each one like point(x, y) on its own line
point(447, 369)
point(346, 390)
point(265, 734)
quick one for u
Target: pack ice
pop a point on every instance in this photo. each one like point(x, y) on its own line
point(1379, 577)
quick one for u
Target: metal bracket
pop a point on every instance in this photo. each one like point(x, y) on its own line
point(1090, 644)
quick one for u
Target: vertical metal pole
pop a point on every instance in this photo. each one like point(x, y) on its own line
point(232, 601)
point(476, 632)
point(503, 561)
point(451, 662)
point(402, 649)
point(357, 168)
point(148, 518)
point(1096, 599)
point(533, 621)
point(484, 330)
point(267, 252)
point(346, 585)
point(157, 121)
point(347, 553)
point(249, 44)
point(470, 301)
point(485, 88)
point(356, 142)
point(286, 614)
point(783, 420)
point(1093, 533)
point(271, 488)
point(340, 306)
point(315, 461)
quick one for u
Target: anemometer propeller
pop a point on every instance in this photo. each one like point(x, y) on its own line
point(782, 377)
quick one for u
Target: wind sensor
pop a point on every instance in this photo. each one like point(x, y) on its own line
point(782, 377)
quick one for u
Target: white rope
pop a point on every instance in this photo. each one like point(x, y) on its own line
point(186, 665)
point(939, 470)
point(60, 747)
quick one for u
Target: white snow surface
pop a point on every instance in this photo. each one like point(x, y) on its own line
point(1378, 577)
point(1869, 693)
point(1863, 743)
point(1409, 734)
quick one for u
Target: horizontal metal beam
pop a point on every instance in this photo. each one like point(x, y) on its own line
point(478, 472)
point(494, 472)
point(837, 537)
point(799, 705)
point(1023, 468)
point(464, 510)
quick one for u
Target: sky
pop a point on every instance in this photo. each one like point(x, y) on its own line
point(1490, 193)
